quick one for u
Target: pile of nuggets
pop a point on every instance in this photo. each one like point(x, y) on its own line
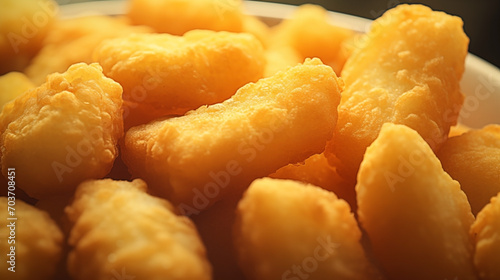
point(189, 140)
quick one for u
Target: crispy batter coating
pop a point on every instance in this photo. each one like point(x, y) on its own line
point(73, 40)
point(309, 32)
point(180, 16)
point(486, 233)
point(286, 230)
point(473, 159)
point(12, 85)
point(407, 71)
point(316, 170)
point(62, 132)
point(23, 26)
point(415, 215)
point(119, 229)
point(37, 240)
point(196, 159)
point(176, 74)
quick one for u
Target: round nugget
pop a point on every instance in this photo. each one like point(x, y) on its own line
point(37, 242)
point(289, 230)
point(486, 234)
point(473, 159)
point(63, 132)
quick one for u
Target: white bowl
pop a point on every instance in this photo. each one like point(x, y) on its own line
point(480, 82)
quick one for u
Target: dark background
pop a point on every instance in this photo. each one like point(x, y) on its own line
point(481, 18)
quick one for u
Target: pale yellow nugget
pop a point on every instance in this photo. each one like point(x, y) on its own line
point(486, 234)
point(473, 159)
point(174, 74)
point(180, 16)
point(407, 71)
point(35, 238)
point(62, 132)
point(196, 159)
point(73, 40)
point(290, 230)
point(23, 27)
point(12, 85)
point(416, 216)
point(120, 229)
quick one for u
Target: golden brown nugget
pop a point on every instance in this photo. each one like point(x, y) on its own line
point(316, 170)
point(286, 230)
point(73, 40)
point(23, 26)
point(176, 74)
point(180, 16)
point(62, 132)
point(12, 85)
point(31, 246)
point(120, 229)
point(415, 215)
point(473, 159)
point(486, 233)
point(309, 32)
point(407, 72)
point(196, 159)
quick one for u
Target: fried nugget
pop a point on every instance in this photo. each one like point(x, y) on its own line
point(473, 159)
point(23, 26)
point(180, 16)
point(35, 238)
point(286, 230)
point(62, 132)
point(407, 71)
point(196, 159)
point(309, 32)
point(486, 233)
point(120, 229)
point(73, 40)
point(12, 85)
point(317, 171)
point(174, 74)
point(415, 215)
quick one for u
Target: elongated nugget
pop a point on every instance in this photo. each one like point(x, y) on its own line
point(175, 74)
point(407, 72)
point(73, 40)
point(62, 132)
point(179, 16)
point(196, 159)
point(486, 234)
point(35, 238)
point(473, 159)
point(415, 215)
point(286, 230)
point(119, 229)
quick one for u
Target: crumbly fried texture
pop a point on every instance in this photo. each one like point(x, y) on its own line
point(38, 243)
point(23, 26)
point(473, 159)
point(486, 233)
point(287, 229)
point(176, 74)
point(62, 132)
point(407, 71)
point(415, 215)
point(73, 40)
point(194, 160)
point(180, 16)
point(120, 229)
point(316, 170)
point(309, 32)
point(12, 85)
